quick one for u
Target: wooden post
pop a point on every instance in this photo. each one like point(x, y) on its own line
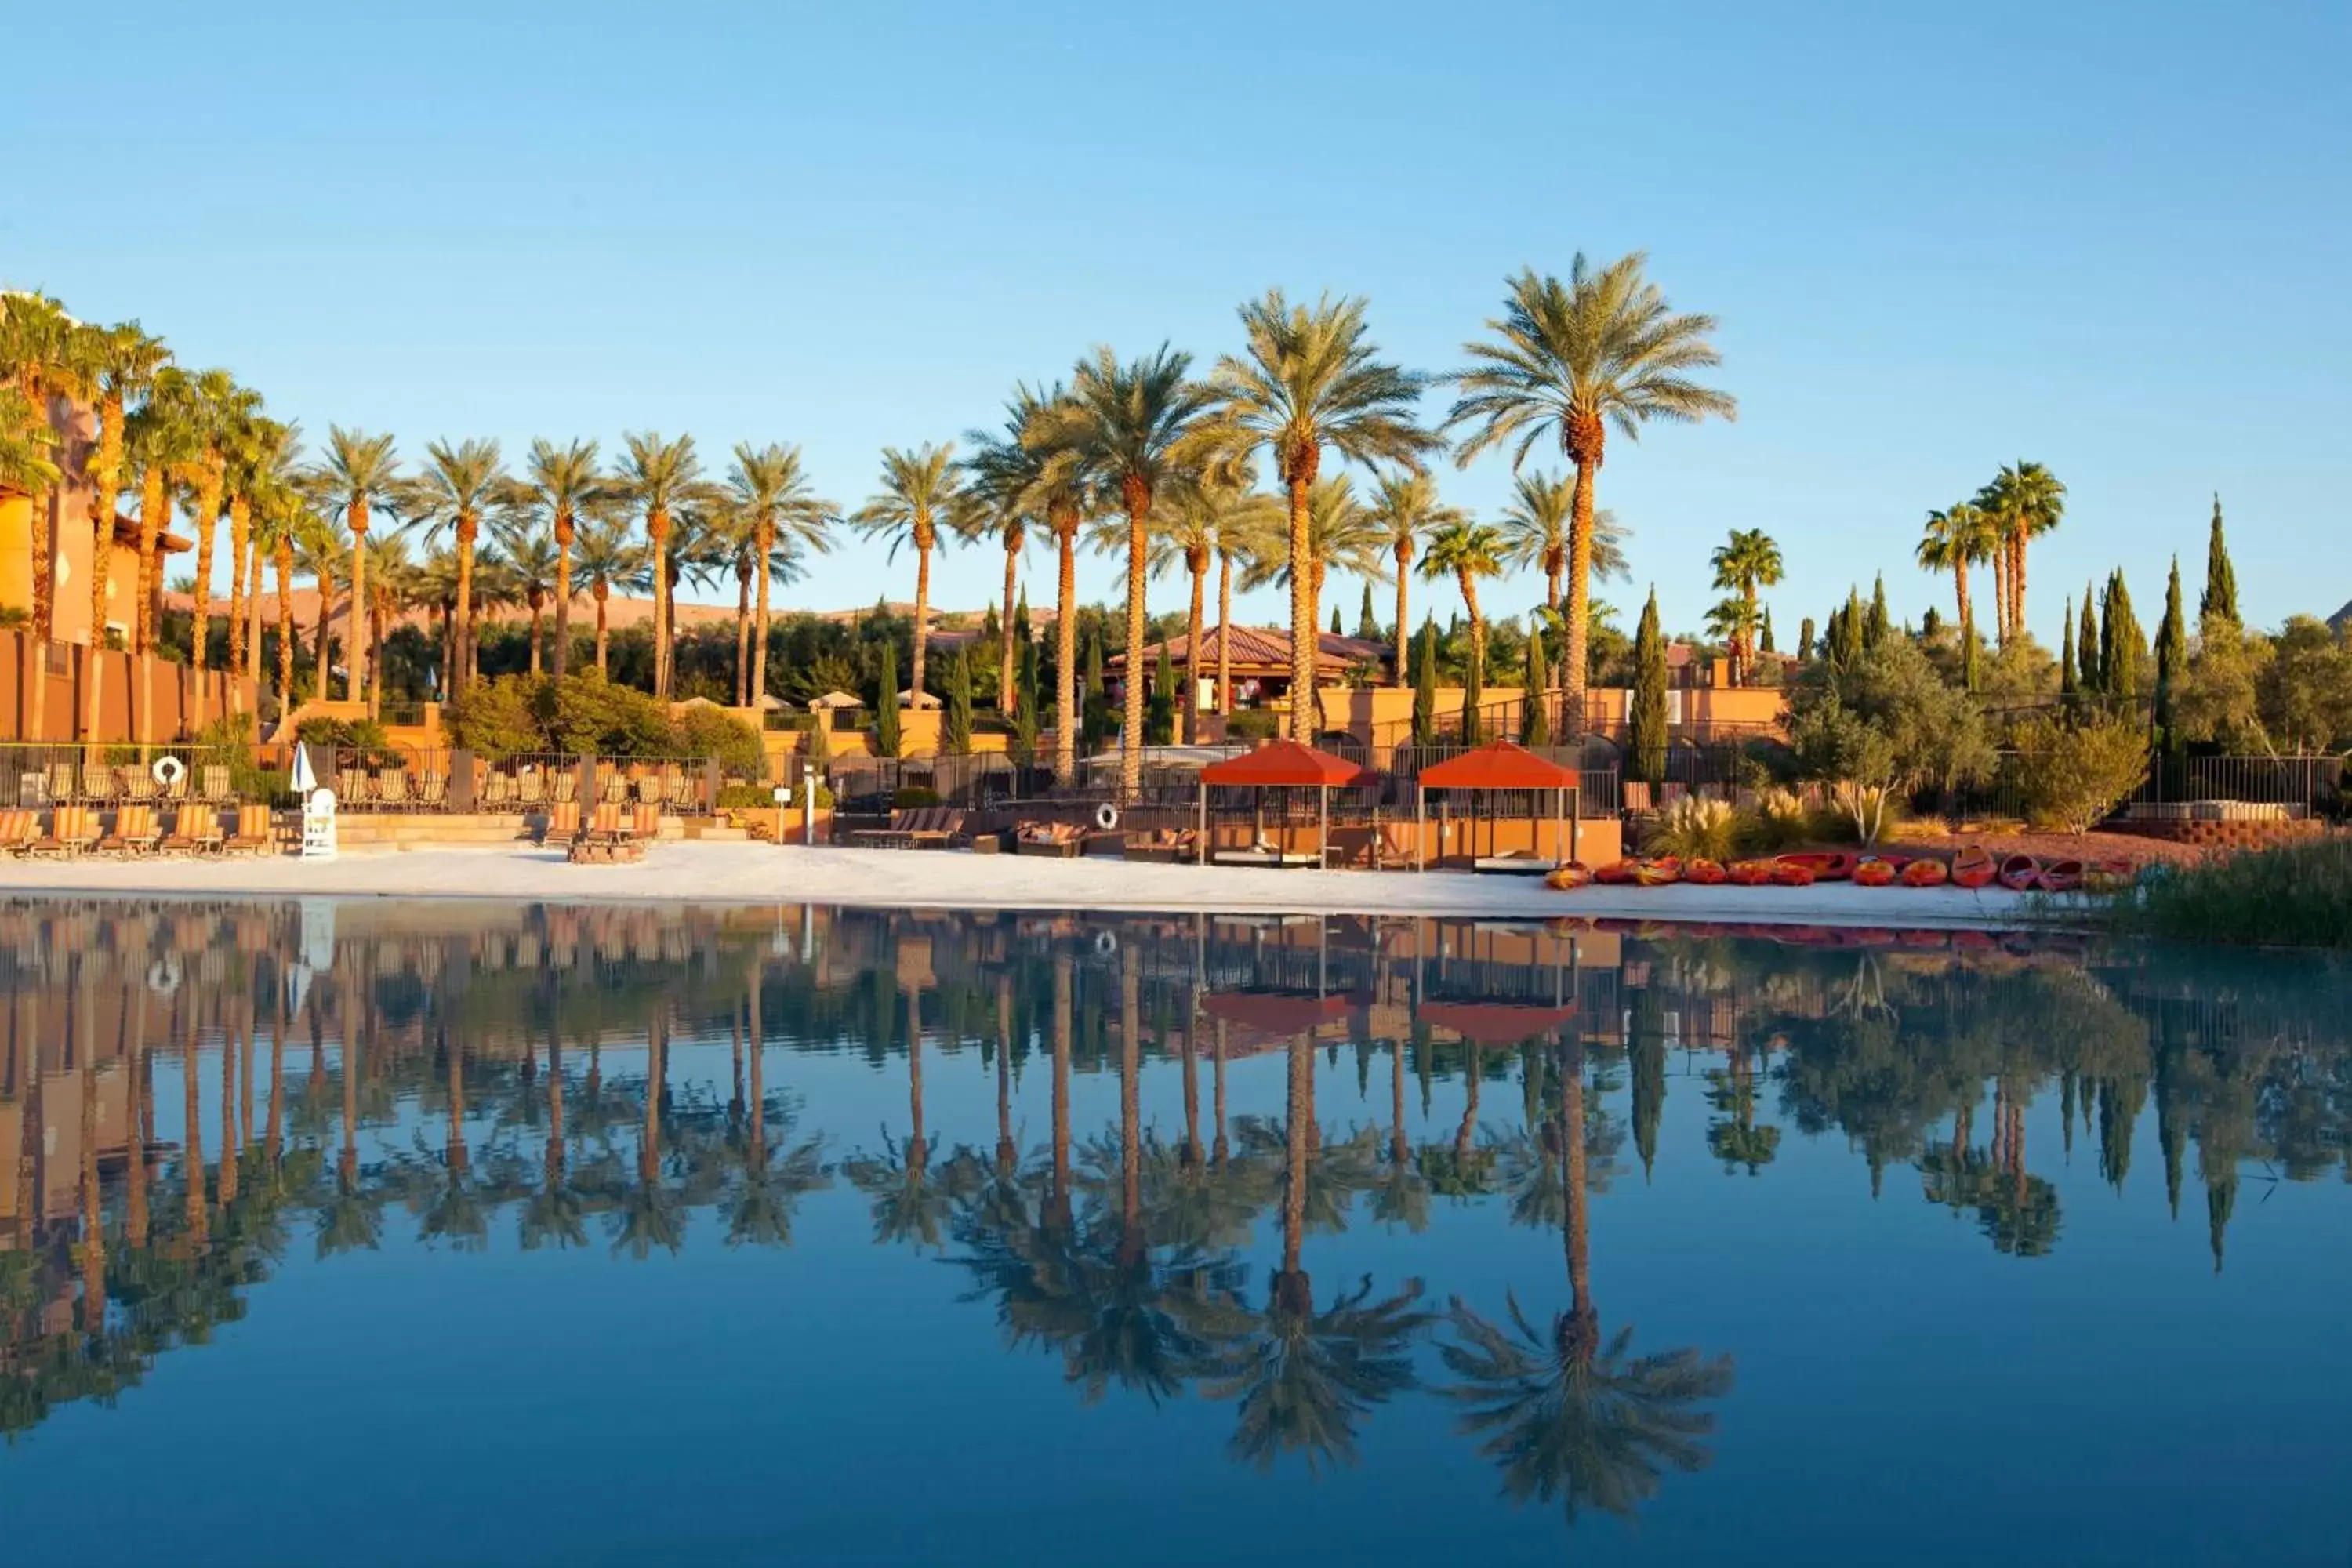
point(1200, 840)
point(1420, 823)
point(1322, 827)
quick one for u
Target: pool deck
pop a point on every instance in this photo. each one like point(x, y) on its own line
point(763, 874)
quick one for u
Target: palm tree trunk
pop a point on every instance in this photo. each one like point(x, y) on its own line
point(1477, 627)
point(135, 1217)
point(1131, 1107)
point(155, 501)
point(604, 640)
point(1302, 617)
point(1574, 658)
point(45, 588)
point(464, 660)
point(1299, 1115)
point(1960, 588)
point(1192, 653)
point(240, 527)
point(560, 659)
point(1065, 651)
point(253, 615)
point(2016, 586)
point(354, 645)
point(1058, 1198)
point(658, 533)
point(226, 1169)
point(2001, 593)
point(200, 606)
point(323, 654)
point(1403, 640)
point(375, 657)
point(922, 623)
point(744, 635)
point(284, 564)
point(191, 1159)
point(766, 546)
point(1575, 1234)
point(1225, 633)
point(537, 606)
point(1130, 764)
point(1004, 655)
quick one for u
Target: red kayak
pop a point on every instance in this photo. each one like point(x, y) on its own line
point(1787, 873)
point(2021, 873)
point(1973, 867)
point(1706, 873)
point(1616, 874)
point(1926, 874)
point(1873, 874)
point(2061, 876)
point(1750, 873)
point(1826, 865)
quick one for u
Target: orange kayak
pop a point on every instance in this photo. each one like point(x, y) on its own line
point(1973, 867)
point(1616, 874)
point(2021, 873)
point(1826, 865)
point(1926, 873)
point(1706, 873)
point(1873, 874)
point(1788, 873)
point(1568, 877)
point(1657, 873)
point(1750, 873)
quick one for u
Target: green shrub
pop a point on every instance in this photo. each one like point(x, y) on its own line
point(1780, 821)
point(914, 796)
point(1697, 829)
point(2071, 778)
point(585, 712)
point(2292, 895)
point(1253, 725)
point(364, 736)
point(496, 718)
point(707, 732)
point(755, 797)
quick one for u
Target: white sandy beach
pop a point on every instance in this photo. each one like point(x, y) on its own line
point(764, 874)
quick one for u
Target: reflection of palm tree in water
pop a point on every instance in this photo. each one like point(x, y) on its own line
point(1737, 1141)
point(554, 1213)
point(1304, 1378)
point(1562, 1413)
point(650, 1215)
point(1402, 1195)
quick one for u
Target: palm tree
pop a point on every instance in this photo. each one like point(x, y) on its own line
point(1565, 1415)
point(48, 355)
point(162, 443)
point(657, 479)
point(1312, 379)
point(282, 515)
point(734, 544)
point(1743, 562)
point(220, 408)
point(2025, 501)
point(359, 474)
point(1467, 552)
point(319, 555)
point(607, 558)
point(557, 486)
point(1570, 360)
point(128, 362)
point(394, 583)
point(534, 567)
point(1126, 428)
point(1211, 519)
point(261, 463)
point(1407, 512)
point(1002, 476)
point(27, 450)
point(770, 487)
point(1023, 469)
point(1956, 539)
point(922, 491)
point(457, 485)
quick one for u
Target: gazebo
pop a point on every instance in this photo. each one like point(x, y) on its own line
point(1493, 768)
point(1281, 764)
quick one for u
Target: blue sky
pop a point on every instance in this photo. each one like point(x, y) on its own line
point(2109, 237)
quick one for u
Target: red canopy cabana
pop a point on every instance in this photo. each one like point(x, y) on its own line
point(1496, 765)
point(1284, 764)
point(1492, 1022)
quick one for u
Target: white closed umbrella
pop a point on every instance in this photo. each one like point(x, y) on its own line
point(305, 778)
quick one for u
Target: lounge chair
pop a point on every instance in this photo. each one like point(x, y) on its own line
point(353, 788)
point(100, 785)
point(1060, 840)
point(916, 827)
point(649, 789)
point(612, 789)
point(197, 830)
point(1169, 844)
point(253, 834)
point(217, 787)
point(72, 830)
point(562, 824)
point(18, 828)
point(1264, 853)
point(177, 790)
point(135, 832)
point(530, 789)
point(391, 789)
point(63, 783)
point(138, 783)
point(497, 791)
point(33, 790)
point(433, 790)
point(567, 785)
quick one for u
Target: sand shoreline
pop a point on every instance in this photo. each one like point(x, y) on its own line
point(763, 874)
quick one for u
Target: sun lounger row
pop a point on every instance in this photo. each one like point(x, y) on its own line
point(390, 789)
point(137, 830)
point(916, 827)
point(105, 784)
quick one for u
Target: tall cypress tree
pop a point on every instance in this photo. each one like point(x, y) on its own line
point(1160, 706)
point(2171, 657)
point(1764, 643)
point(1424, 687)
point(1368, 624)
point(1025, 717)
point(1847, 640)
point(1970, 676)
point(1094, 723)
point(2091, 677)
point(1875, 629)
point(1338, 627)
point(1535, 729)
point(2122, 647)
point(1645, 724)
point(955, 739)
point(1805, 638)
point(885, 706)
point(2221, 579)
point(2070, 691)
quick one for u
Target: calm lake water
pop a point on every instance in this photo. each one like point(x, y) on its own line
point(509, 1233)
